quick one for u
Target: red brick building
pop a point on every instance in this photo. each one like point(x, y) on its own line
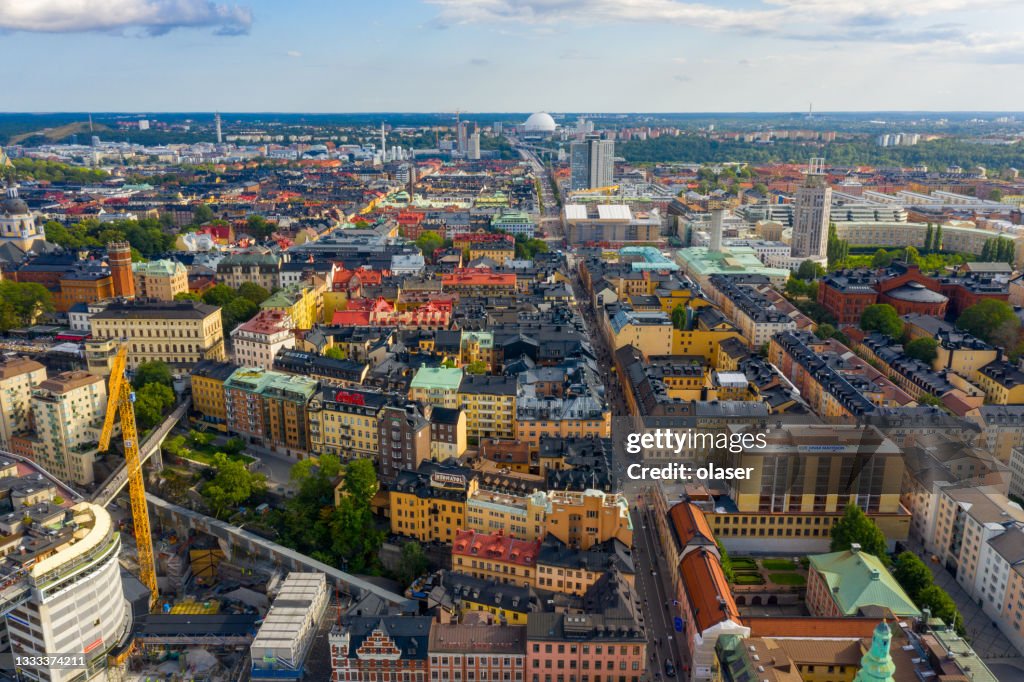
point(846, 293)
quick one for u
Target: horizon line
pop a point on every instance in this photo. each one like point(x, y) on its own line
point(820, 112)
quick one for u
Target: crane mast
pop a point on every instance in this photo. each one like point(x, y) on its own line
point(119, 401)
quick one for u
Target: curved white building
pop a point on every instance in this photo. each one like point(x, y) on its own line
point(540, 123)
point(64, 572)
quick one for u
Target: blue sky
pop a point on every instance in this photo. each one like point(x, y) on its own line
point(511, 55)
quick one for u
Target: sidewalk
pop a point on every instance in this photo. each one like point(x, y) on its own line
point(986, 639)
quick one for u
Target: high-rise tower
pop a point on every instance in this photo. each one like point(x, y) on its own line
point(119, 258)
point(592, 163)
point(811, 213)
point(216, 121)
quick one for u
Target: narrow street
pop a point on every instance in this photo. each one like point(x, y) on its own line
point(653, 575)
point(654, 587)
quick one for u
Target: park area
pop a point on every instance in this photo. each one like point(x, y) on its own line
point(779, 572)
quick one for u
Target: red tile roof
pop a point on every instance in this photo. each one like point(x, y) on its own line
point(690, 524)
point(784, 626)
point(477, 278)
point(496, 547)
point(707, 590)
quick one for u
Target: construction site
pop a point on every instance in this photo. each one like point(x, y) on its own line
point(184, 597)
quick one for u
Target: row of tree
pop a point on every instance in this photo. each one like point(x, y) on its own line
point(917, 581)
point(909, 571)
point(933, 238)
point(991, 320)
point(149, 237)
point(936, 154)
point(54, 171)
point(998, 250)
point(237, 305)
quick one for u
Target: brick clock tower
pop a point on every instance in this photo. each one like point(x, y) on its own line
point(119, 257)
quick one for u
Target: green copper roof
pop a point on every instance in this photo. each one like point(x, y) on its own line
point(859, 580)
point(158, 268)
point(876, 665)
point(443, 378)
point(699, 260)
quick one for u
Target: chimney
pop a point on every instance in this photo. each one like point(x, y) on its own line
point(119, 257)
point(855, 547)
point(716, 229)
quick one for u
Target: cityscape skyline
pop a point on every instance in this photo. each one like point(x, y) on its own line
point(527, 56)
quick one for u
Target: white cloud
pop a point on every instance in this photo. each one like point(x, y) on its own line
point(898, 21)
point(294, 54)
point(153, 17)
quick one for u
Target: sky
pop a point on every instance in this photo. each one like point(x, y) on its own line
point(512, 55)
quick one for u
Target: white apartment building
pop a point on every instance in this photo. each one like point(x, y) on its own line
point(18, 377)
point(68, 583)
point(67, 412)
point(256, 342)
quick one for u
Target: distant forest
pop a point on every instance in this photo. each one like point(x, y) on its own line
point(936, 154)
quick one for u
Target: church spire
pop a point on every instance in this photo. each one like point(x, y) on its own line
point(876, 665)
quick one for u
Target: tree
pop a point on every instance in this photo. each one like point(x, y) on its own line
point(412, 563)
point(937, 238)
point(335, 353)
point(161, 396)
point(882, 317)
point(257, 227)
point(238, 311)
point(881, 259)
point(202, 214)
point(155, 372)
point(360, 482)
point(188, 296)
point(912, 574)
point(988, 320)
point(21, 303)
point(231, 485)
point(148, 411)
point(995, 194)
point(928, 237)
point(219, 295)
point(174, 445)
point(924, 349)
point(234, 446)
point(796, 287)
point(428, 242)
point(856, 527)
point(941, 605)
point(477, 367)
point(912, 255)
point(837, 250)
point(527, 248)
point(726, 562)
point(199, 438)
point(253, 292)
point(929, 399)
point(809, 270)
point(825, 331)
point(679, 317)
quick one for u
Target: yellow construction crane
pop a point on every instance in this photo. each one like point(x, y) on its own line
point(119, 400)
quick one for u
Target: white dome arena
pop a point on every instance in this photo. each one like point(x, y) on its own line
point(540, 122)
